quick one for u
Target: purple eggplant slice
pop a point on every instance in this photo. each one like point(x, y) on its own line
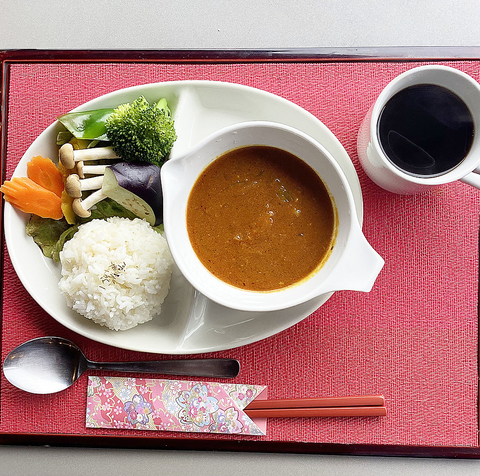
point(137, 187)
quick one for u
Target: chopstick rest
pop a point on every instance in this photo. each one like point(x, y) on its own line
point(362, 405)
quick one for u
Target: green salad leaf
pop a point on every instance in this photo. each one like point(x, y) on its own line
point(46, 232)
point(51, 235)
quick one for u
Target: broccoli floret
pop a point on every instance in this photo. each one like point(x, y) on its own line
point(141, 132)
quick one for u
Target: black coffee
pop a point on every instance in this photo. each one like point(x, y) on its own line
point(426, 129)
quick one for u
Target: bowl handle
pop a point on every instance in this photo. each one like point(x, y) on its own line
point(358, 267)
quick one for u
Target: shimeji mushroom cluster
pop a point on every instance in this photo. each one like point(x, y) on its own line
point(76, 181)
point(134, 185)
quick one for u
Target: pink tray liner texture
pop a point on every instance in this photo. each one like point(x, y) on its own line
point(413, 338)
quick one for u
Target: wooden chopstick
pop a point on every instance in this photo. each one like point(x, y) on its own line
point(354, 401)
point(365, 405)
point(317, 412)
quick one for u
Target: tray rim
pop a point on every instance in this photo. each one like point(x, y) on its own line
point(237, 445)
point(313, 54)
point(285, 55)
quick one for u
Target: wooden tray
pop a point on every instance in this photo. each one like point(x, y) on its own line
point(332, 355)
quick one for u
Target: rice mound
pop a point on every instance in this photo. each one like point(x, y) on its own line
point(116, 272)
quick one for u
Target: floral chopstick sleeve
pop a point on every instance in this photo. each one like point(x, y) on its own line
point(172, 405)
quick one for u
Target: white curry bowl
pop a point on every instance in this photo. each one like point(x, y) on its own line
point(352, 265)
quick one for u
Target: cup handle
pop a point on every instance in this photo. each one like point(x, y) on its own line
point(472, 179)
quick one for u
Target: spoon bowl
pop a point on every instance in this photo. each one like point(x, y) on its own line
point(52, 364)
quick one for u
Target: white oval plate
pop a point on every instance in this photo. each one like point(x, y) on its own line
point(189, 322)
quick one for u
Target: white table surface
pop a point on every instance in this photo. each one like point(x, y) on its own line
point(212, 24)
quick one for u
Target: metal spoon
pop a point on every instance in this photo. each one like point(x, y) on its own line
point(51, 364)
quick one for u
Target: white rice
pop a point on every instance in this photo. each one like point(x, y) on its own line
point(116, 272)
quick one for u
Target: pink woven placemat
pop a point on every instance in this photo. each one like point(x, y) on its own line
point(413, 338)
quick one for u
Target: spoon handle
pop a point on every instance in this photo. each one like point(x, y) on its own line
point(220, 368)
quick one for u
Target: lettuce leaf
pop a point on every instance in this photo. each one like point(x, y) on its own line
point(51, 235)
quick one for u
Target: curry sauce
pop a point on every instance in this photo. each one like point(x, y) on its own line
point(261, 219)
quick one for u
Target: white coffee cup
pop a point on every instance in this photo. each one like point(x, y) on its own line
point(383, 171)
